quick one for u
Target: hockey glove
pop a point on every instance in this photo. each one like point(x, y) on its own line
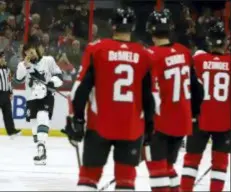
point(74, 130)
point(51, 86)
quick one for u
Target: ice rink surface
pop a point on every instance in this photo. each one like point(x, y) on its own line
point(18, 173)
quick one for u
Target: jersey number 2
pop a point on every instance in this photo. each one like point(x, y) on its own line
point(177, 73)
point(120, 83)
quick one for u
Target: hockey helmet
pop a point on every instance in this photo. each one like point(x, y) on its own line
point(216, 34)
point(159, 22)
point(123, 20)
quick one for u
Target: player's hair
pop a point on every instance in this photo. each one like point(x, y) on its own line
point(28, 46)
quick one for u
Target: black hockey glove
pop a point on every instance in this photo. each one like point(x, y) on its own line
point(149, 130)
point(74, 129)
point(51, 86)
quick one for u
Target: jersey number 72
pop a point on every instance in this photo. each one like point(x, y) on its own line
point(176, 73)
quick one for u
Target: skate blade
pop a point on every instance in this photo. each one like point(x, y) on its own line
point(41, 163)
point(12, 137)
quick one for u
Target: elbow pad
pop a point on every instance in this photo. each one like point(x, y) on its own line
point(57, 81)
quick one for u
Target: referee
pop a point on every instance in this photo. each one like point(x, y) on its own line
point(5, 97)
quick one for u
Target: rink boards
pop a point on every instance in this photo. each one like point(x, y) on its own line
point(19, 114)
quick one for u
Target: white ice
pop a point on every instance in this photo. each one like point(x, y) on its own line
point(18, 173)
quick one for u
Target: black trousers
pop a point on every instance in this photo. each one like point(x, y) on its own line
point(165, 147)
point(5, 105)
point(196, 143)
point(96, 150)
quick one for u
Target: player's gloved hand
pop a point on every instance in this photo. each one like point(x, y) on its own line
point(149, 130)
point(74, 130)
point(51, 86)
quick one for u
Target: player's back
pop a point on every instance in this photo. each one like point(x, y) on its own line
point(119, 69)
point(214, 71)
point(172, 70)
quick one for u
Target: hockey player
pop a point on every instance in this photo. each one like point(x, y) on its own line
point(213, 68)
point(173, 73)
point(119, 71)
point(41, 76)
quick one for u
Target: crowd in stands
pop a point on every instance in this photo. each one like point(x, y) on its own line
point(62, 26)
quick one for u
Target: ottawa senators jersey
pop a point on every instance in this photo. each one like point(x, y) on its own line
point(171, 73)
point(214, 71)
point(85, 62)
point(117, 71)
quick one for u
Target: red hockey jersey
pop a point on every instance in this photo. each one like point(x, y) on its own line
point(85, 62)
point(119, 69)
point(214, 71)
point(171, 72)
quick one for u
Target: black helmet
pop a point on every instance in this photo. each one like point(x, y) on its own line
point(123, 20)
point(216, 34)
point(158, 23)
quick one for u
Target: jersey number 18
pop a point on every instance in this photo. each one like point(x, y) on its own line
point(220, 83)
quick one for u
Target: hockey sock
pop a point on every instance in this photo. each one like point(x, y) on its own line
point(34, 126)
point(159, 176)
point(42, 133)
point(174, 179)
point(190, 170)
point(125, 176)
point(43, 123)
point(219, 168)
point(89, 178)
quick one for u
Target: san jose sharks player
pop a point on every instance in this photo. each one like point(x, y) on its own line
point(41, 75)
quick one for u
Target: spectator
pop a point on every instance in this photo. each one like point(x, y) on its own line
point(68, 70)
point(67, 38)
point(73, 53)
point(49, 47)
point(3, 14)
point(11, 22)
point(4, 41)
point(15, 59)
point(35, 19)
point(36, 31)
point(94, 31)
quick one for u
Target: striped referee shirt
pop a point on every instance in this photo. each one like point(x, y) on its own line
point(5, 79)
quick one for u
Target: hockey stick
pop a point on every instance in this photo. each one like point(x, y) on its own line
point(52, 90)
point(76, 146)
point(202, 176)
point(197, 182)
point(107, 185)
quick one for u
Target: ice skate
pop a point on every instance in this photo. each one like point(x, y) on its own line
point(16, 133)
point(41, 157)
